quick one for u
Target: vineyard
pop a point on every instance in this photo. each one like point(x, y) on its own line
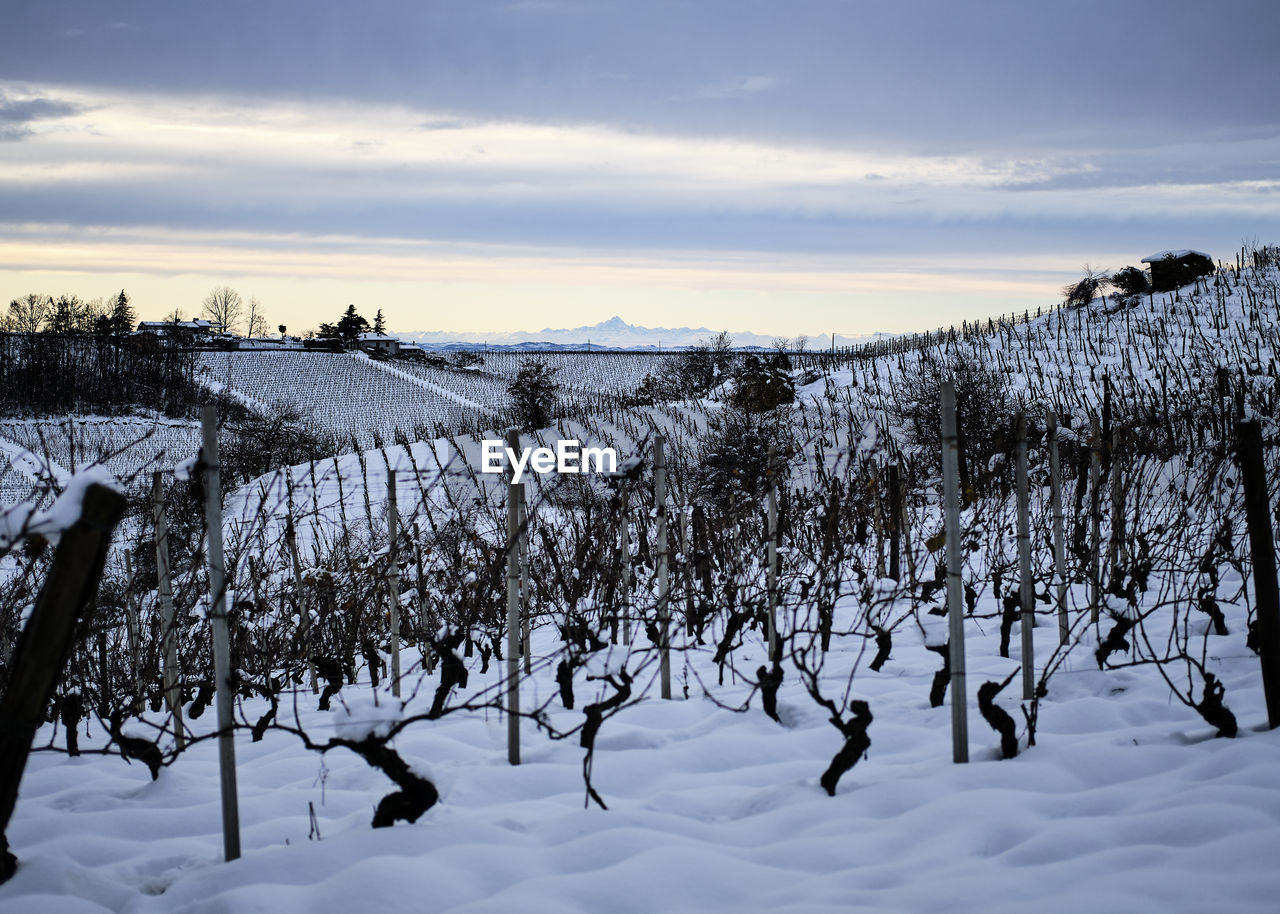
point(347, 396)
point(365, 402)
point(736, 673)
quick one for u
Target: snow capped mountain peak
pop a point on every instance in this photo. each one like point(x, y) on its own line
point(613, 333)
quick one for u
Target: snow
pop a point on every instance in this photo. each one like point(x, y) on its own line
point(19, 521)
point(1125, 804)
point(227, 390)
point(184, 470)
point(427, 385)
point(367, 714)
point(66, 510)
point(38, 469)
point(1175, 255)
point(323, 494)
point(47, 451)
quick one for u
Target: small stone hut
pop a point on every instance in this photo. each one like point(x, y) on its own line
point(1173, 269)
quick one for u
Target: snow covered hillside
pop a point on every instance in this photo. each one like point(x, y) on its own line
point(1135, 772)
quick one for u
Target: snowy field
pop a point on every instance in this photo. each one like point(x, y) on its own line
point(131, 447)
point(1127, 804)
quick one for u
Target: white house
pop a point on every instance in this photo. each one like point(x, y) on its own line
point(379, 343)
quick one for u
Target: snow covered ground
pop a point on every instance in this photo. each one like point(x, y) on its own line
point(1127, 804)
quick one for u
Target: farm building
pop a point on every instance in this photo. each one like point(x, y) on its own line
point(271, 343)
point(1173, 269)
point(197, 327)
point(379, 343)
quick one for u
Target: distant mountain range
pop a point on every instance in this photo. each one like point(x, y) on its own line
point(615, 333)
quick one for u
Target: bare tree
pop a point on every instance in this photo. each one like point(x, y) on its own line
point(92, 310)
point(721, 346)
point(256, 319)
point(28, 314)
point(223, 306)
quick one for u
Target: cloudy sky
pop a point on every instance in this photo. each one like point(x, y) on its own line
point(791, 167)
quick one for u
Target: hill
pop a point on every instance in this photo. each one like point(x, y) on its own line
point(1132, 775)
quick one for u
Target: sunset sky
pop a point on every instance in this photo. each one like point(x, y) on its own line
point(782, 167)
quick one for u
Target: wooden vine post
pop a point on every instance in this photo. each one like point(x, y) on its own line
point(393, 578)
point(1095, 521)
point(1116, 547)
point(131, 622)
point(664, 582)
point(1059, 536)
point(169, 630)
point(526, 601)
point(1025, 591)
point(772, 579)
point(1257, 503)
point(304, 614)
point(687, 549)
point(514, 492)
point(46, 641)
point(955, 589)
point(894, 521)
point(626, 570)
point(221, 635)
point(904, 524)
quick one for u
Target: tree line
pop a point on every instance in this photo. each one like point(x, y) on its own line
point(69, 314)
point(55, 373)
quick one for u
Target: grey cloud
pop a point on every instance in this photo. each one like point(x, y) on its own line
point(444, 123)
point(909, 75)
point(1225, 161)
point(739, 86)
point(21, 111)
point(1102, 92)
point(16, 114)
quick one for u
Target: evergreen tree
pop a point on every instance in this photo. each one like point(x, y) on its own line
point(122, 317)
point(763, 385)
point(350, 326)
point(379, 325)
point(533, 394)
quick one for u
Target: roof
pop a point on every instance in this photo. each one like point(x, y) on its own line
point(377, 338)
point(197, 324)
point(1173, 255)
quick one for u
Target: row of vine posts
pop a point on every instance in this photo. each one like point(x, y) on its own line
point(68, 593)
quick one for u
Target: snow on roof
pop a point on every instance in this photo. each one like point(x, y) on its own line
point(1173, 255)
point(197, 324)
point(377, 338)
